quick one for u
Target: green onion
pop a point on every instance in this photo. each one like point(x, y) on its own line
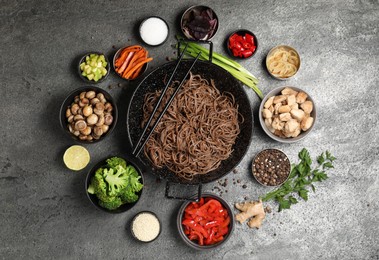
point(229, 65)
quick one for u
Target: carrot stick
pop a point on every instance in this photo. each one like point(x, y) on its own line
point(124, 53)
point(131, 63)
point(137, 72)
point(130, 72)
point(126, 62)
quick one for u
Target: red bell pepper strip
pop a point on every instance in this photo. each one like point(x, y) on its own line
point(196, 227)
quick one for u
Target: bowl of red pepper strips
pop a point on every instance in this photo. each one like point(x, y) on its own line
point(206, 224)
point(242, 44)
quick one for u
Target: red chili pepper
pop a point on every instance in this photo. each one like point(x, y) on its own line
point(196, 227)
point(247, 53)
point(242, 46)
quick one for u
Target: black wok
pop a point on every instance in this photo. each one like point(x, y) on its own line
point(224, 81)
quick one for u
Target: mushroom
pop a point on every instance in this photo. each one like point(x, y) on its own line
point(98, 130)
point(94, 101)
point(82, 137)
point(307, 106)
point(108, 107)
point(269, 102)
point(99, 109)
point(68, 112)
point(105, 128)
point(90, 94)
point(86, 131)
point(80, 125)
point(78, 117)
point(101, 97)
point(74, 109)
point(101, 120)
point(83, 102)
point(92, 119)
point(82, 95)
point(87, 110)
point(70, 118)
point(108, 119)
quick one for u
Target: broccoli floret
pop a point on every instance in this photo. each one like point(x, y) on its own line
point(128, 196)
point(116, 161)
point(99, 186)
point(111, 205)
point(117, 179)
point(134, 183)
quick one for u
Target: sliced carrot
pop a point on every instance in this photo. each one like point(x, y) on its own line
point(124, 53)
point(126, 62)
point(137, 72)
point(130, 72)
point(131, 63)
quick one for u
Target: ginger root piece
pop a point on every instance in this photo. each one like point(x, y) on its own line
point(253, 211)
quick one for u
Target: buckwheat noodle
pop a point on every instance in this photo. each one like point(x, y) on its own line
point(198, 130)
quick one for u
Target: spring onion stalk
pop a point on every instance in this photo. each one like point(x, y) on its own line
point(229, 65)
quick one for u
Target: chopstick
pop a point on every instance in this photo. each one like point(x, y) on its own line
point(139, 146)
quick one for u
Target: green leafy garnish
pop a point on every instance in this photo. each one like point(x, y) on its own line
point(302, 177)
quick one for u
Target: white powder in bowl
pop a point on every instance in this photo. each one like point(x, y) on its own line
point(153, 31)
point(146, 227)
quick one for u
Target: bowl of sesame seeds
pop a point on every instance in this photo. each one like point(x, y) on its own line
point(271, 167)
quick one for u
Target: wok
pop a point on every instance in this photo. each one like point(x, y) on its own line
point(225, 82)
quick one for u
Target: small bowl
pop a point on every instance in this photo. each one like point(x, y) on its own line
point(188, 15)
point(194, 245)
point(93, 198)
point(288, 48)
point(70, 99)
point(115, 57)
point(270, 168)
point(85, 79)
point(132, 224)
point(242, 32)
point(275, 92)
point(153, 24)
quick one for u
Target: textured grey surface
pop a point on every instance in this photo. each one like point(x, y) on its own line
point(44, 210)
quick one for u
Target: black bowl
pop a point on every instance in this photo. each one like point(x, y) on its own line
point(194, 244)
point(131, 226)
point(242, 32)
point(115, 57)
point(85, 79)
point(70, 99)
point(93, 198)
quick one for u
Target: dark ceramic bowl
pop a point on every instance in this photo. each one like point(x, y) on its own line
point(85, 79)
point(156, 32)
point(195, 245)
point(275, 92)
point(115, 57)
point(93, 198)
point(187, 15)
point(68, 102)
point(242, 33)
point(134, 218)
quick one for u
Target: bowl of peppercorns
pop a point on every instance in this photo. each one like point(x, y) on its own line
point(271, 167)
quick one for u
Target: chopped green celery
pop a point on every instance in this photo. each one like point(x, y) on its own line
point(103, 71)
point(84, 74)
point(90, 76)
point(94, 67)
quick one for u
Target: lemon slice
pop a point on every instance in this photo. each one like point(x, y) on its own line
point(76, 157)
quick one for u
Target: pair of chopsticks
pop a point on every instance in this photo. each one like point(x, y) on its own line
point(139, 146)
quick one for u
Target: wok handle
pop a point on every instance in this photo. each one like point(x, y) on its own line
point(198, 41)
point(196, 199)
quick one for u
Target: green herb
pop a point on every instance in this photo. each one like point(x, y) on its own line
point(301, 177)
point(229, 65)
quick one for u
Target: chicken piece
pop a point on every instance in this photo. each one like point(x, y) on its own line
point(266, 113)
point(277, 124)
point(279, 133)
point(297, 114)
point(285, 117)
point(284, 109)
point(301, 97)
point(291, 100)
point(271, 108)
point(276, 108)
point(269, 102)
point(306, 123)
point(280, 99)
point(295, 106)
point(291, 126)
point(289, 91)
point(307, 106)
point(268, 123)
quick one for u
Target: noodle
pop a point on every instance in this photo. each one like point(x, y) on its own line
point(197, 131)
point(283, 62)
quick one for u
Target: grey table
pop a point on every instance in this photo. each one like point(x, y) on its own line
point(44, 210)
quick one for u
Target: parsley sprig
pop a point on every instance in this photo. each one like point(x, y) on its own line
point(302, 177)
